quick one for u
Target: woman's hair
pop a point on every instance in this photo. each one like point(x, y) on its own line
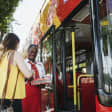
point(32, 45)
point(9, 43)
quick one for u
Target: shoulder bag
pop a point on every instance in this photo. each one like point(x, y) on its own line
point(3, 106)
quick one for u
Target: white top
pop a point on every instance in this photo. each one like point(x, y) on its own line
point(40, 67)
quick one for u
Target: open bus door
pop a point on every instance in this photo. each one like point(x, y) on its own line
point(101, 18)
point(75, 87)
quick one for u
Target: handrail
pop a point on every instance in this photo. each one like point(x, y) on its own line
point(74, 76)
point(78, 82)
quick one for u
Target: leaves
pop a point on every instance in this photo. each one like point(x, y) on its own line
point(7, 8)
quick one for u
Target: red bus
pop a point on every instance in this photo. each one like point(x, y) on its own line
point(76, 49)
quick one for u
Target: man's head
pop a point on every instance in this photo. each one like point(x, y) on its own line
point(32, 52)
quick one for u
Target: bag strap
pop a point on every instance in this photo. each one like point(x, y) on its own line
point(11, 58)
point(15, 85)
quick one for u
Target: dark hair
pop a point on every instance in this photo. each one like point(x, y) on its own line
point(10, 42)
point(32, 45)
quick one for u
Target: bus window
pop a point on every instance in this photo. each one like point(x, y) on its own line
point(47, 94)
point(47, 55)
point(59, 70)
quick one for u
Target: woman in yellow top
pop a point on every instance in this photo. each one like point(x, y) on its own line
point(18, 70)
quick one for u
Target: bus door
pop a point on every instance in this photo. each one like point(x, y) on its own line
point(84, 96)
point(74, 79)
point(63, 78)
point(101, 18)
point(46, 56)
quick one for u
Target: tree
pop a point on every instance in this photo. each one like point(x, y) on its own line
point(7, 8)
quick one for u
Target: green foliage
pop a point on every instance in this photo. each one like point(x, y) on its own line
point(7, 8)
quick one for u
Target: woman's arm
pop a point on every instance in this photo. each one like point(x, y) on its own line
point(19, 60)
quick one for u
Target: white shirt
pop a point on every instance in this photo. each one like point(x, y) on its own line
point(40, 67)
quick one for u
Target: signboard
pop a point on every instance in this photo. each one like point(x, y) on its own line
point(55, 12)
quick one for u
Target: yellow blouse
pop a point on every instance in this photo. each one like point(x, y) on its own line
point(20, 87)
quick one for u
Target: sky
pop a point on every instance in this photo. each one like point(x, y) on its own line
point(25, 16)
